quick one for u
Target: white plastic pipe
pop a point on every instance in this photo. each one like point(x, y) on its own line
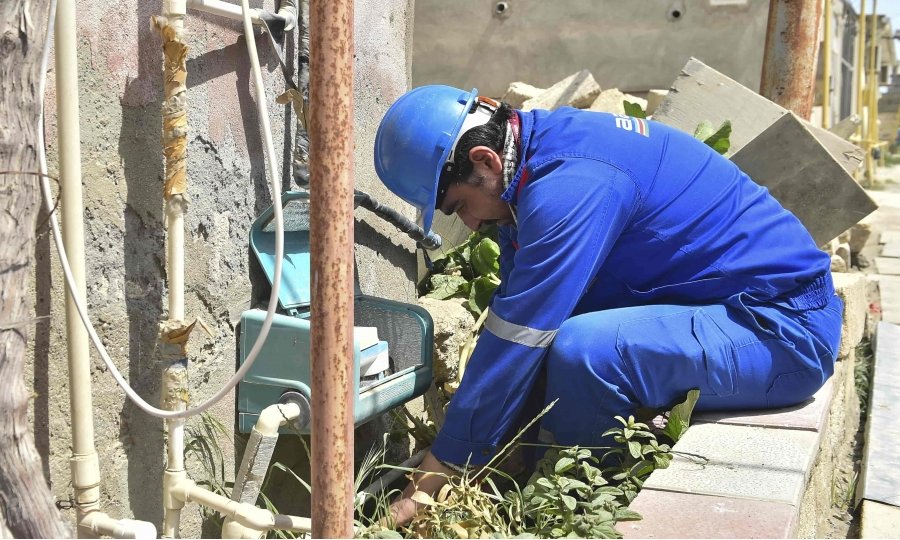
point(255, 462)
point(287, 11)
point(274, 416)
point(84, 462)
point(175, 209)
point(246, 514)
point(223, 9)
point(275, 187)
point(100, 524)
point(85, 468)
point(174, 377)
point(174, 385)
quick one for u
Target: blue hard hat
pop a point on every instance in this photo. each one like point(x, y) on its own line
point(414, 140)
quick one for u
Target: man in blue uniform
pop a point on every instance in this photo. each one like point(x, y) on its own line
point(636, 263)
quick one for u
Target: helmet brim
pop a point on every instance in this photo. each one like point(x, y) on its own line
point(425, 217)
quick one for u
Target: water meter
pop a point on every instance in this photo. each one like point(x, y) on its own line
point(392, 342)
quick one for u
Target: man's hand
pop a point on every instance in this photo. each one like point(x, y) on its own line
point(431, 478)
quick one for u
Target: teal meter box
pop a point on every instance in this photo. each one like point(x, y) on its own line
point(392, 343)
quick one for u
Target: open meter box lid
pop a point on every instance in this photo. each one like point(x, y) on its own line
point(392, 345)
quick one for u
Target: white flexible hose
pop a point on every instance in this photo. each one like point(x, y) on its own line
point(279, 241)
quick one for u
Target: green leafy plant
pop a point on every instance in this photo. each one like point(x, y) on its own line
point(718, 139)
point(680, 416)
point(571, 493)
point(638, 454)
point(634, 109)
point(470, 270)
point(569, 496)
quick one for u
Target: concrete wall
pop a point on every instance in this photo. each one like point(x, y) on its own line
point(634, 46)
point(120, 95)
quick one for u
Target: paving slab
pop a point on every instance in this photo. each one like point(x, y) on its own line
point(686, 515)
point(737, 461)
point(879, 520)
point(809, 415)
point(889, 237)
point(890, 298)
point(891, 249)
point(888, 266)
point(880, 474)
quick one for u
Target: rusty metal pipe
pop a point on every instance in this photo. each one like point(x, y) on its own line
point(791, 54)
point(331, 238)
point(826, 67)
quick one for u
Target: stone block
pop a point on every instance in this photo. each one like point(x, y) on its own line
point(859, 235)
point(611, 101)
point(805, 178)
point(846, 127)
point(809, 415)
point(736, 461)
point(839, 264)
point(520, 92)
point(879, 520)
point(578, 90)
point(852, 290)
point(843, 251)
point(880, 474)
point(654, 98)
point(685, 515)
point(702, 93)
point(452, 327)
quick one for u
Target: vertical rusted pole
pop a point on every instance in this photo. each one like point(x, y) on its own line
point(791, 54)
point(331, 228)
point(826, 67)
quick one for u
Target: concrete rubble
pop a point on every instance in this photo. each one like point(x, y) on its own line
point(577, 90)
point(519, 92)
point(612, 101)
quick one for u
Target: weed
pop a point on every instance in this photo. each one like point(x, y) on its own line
point(203, 445)
point(862, 374)
point(571, 493)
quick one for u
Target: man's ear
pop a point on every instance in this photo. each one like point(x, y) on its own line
point(484, 156)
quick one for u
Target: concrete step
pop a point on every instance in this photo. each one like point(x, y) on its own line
point(761, 474)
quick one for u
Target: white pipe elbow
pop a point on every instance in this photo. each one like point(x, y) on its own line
point(100, 524)
point(274, 416)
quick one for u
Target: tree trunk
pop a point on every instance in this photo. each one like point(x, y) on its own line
point(26, 504)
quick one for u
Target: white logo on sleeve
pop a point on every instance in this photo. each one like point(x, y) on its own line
point(637, 125)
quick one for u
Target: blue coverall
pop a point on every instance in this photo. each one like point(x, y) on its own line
point(643, 264)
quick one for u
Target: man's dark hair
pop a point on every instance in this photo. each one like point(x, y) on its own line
point(492, 134)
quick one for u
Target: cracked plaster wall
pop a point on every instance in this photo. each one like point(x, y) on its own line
point(120, 94)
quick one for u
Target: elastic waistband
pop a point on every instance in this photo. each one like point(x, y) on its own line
point(814, 295)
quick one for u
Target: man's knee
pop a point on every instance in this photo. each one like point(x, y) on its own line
point(584, 344)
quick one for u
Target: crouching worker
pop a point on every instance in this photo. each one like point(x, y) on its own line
point(636, 264)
